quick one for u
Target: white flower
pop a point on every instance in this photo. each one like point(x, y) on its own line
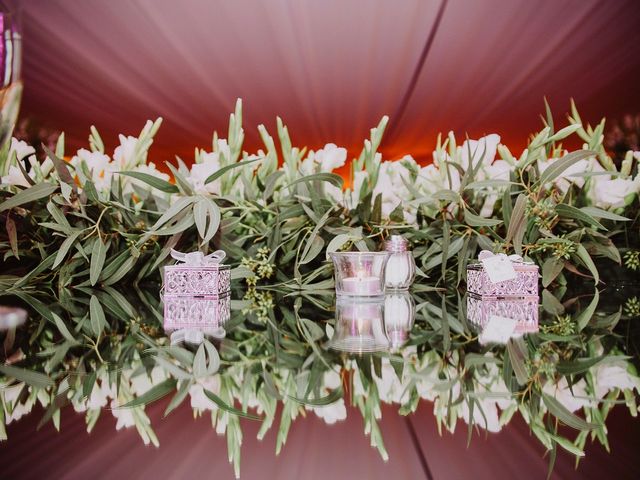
point(124, 154)
point(24, 152)
point(352, 197)
point(149, 169)
point(483, 150)
point(210, 163)
point(22, 149)
point(199, 400)
point(392, 179)
point(614, 192)
point(572, 398)
point(98, 164)
point(15, 177)
point(223, 149)
point(326, 159)
point(571, 175)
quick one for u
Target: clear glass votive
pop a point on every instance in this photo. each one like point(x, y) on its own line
point(360, 274)
point(359, 326)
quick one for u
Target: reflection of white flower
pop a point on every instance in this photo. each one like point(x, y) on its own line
point(390, 387)
point(142, 383)
point(11, 395)
point(573, 398)
point(199, 400)
point(608, 376)
point(124, 416)
point(336, 411)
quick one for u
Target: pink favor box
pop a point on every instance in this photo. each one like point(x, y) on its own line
point(523, 310)
point(524, 285)
point(213, 281)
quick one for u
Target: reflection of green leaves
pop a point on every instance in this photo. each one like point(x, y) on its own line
point(223, 406)
point(565, 416)
point(585, 315)
point(332, 397)
point(153, 394)
point(35, 379)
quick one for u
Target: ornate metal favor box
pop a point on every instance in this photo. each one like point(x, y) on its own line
point(197, 275)
point(525, 284)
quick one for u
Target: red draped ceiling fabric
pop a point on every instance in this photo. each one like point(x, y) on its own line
point(329, 68)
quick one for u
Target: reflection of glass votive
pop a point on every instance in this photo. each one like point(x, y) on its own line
point(11, 317)
point(359, 327)
point(399, 316)
point(190, 319)
point(359, 274)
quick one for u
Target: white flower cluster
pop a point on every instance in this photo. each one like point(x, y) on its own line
point(402, 183)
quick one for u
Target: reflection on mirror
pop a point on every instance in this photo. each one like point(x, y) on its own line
point(499, 319)
point(267, 355)
point(192, 319)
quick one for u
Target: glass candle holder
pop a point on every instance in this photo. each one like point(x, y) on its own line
point(399, 316)
point(401, 267)
point(359, 274)
point(359, 326)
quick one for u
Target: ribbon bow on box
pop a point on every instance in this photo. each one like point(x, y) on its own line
point(484, 254)
point(199, 259)
point(196, 336)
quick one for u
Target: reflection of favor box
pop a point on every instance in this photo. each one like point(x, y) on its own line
point(195, 313)
point(524, 311)
point(211, 280)
point(524, 285)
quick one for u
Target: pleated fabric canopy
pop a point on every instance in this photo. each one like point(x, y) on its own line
point(330, 69)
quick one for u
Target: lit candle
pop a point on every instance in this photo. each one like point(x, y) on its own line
point(362, 285)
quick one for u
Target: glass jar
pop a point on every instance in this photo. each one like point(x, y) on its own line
point(401, 267)
point(359, 274)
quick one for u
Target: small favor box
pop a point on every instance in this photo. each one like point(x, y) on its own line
point(197, 276)
point(521, 278)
